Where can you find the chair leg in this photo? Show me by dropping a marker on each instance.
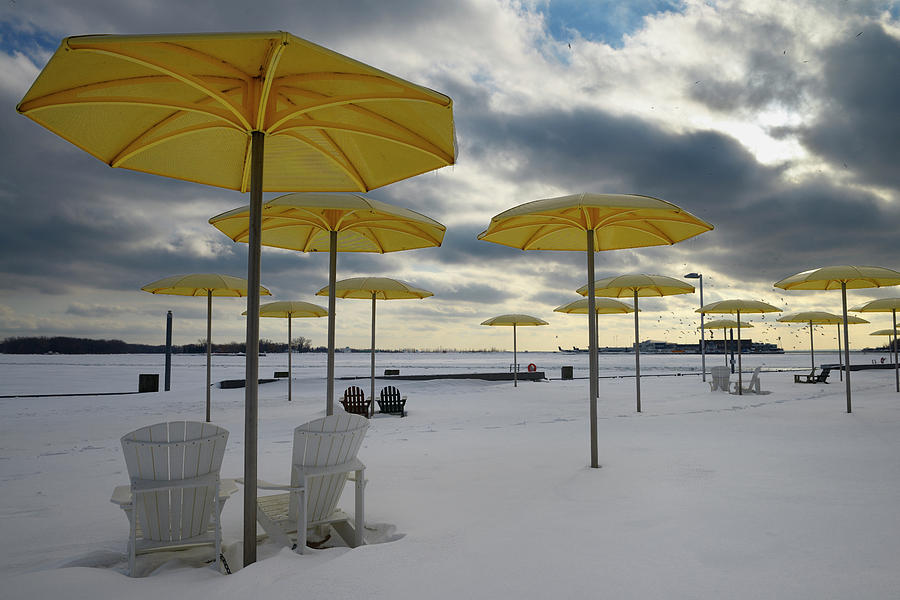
(359, 512)
(301, 520)
(218, 530)
(132, 546)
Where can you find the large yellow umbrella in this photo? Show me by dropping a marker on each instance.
(375, 288)
(591, 223)
(841, 277)
(816, 317)
(885, 305)
(334, 223)
(290, 309)
(514, 320)
(215, 108)
(632, 286)
(209, 285)
(737, 306)
(724, 324)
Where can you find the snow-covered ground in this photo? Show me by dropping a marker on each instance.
(487, 486)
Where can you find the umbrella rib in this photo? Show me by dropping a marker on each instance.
(136, 146)
(275, 53)
(419, 143)
(347, 167)
(193, 82)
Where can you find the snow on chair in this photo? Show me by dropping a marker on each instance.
(175, 497)
(323, 458)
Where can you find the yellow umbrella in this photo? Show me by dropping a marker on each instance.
(209, 285)
(375, 288)
(290, 309)
(724, 324)
(816, 317)
(514, 320)
(885, 305)
(841, 277)
(334, 223)
(589, 223)
(216, 107)
(737, 306)
(633, 286)
(602, 306)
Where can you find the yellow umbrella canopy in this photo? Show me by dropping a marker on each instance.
(290, 309)
(816, 317)
(884, 332)
(602, 306)
(514, 320)
(375, 288)
(215, 108)
(593, 222)
(841, 277)
(634, 285)
(310, 222)
(149, 102)
(737, 306)
(209, 285)
(885, 305)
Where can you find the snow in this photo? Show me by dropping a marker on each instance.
(484, 490)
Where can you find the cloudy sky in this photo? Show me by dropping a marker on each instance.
(777, 121)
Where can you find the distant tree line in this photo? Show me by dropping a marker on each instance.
(70, 345)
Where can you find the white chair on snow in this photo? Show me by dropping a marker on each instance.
(175, 496)
(720, 377)
(753, 387)
(324, 457)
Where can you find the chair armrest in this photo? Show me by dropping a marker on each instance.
(352, 465)
(262, 484)
(121, 495)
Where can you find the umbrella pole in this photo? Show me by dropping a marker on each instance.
(592, 345)
(637, 354)
(896, 371)
(725, 345)
(332, 276)
(251, 390)
(846, 341)
(740, 381)
(290, 351)
(372, 374)
(208, 348)
(515, 363)
(812, 352)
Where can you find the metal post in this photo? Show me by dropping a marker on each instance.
(731, 333)
(515, 360)
(846, 341)
(840, 359)
(592, 356)
(168, 375)
(372, 373)
(208, 350)
(637, 354)
(290, 352)
(739, 349)
(896, 368)
(251, 389)
(332, 276)
(702, 333)
(812, 352)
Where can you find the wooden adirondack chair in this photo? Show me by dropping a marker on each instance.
(355, 402)
(391, 402)
(324, 457)
(753, 387)
(175, 497)
(720, 377)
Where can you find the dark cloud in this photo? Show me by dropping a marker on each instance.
(858, 130)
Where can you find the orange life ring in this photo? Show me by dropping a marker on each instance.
(532, 368)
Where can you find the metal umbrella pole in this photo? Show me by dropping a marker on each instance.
(846, 341)
(637, 354)
(592, 356)
(209, 349)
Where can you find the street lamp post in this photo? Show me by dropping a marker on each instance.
(702, 329)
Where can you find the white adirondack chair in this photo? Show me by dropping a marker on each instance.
(175, 496)
(720, 377)
(324, 456)
(753, 387)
